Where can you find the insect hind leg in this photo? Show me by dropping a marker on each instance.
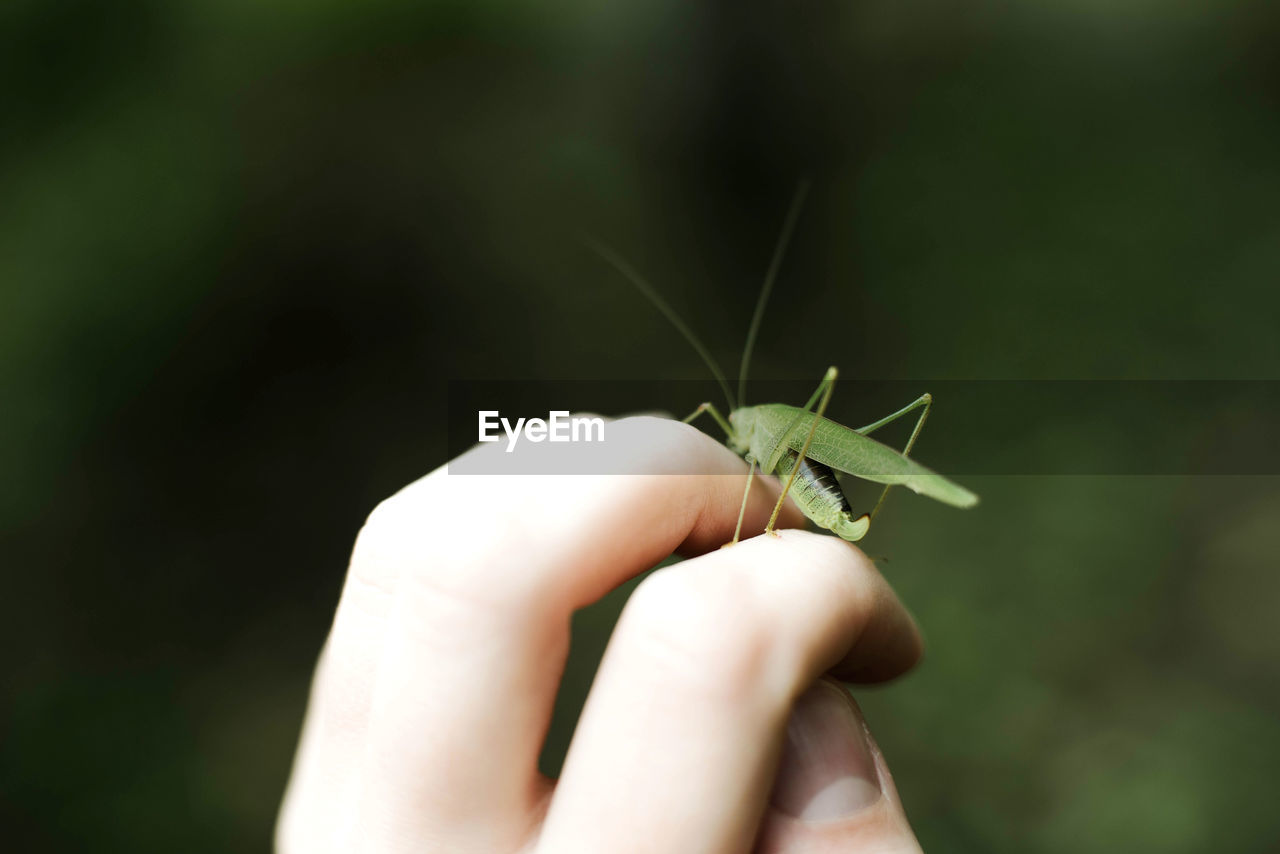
(925, 402)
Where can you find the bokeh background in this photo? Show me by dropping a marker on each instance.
(244, 246)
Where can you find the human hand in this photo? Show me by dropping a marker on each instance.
(708, 728)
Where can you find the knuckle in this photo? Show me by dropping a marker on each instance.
(395, 524)
(704, 630)
(404, 547)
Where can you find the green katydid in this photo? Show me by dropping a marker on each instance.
(798, 443)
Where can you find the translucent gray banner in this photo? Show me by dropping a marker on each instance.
(975, 427)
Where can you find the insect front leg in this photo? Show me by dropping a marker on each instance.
(924, 401)
(751, 473)
(742, 511)
(715, 413)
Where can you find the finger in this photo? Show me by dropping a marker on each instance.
(489, 570)
(833, 791)
(316, 814)
(677, 746)
(325, 779)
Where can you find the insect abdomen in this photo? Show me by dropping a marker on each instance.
(815, 482)
(819, 496)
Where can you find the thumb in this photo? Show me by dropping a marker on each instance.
(833, 791)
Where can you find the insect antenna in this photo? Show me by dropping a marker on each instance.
(788, 226)
(631, 275)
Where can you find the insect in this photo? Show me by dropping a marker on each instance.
(798, 443)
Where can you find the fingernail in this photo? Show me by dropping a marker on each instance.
(827, 771)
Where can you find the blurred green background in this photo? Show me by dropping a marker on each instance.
(245, 245)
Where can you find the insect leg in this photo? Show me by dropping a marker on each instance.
(737, 532)
(926, 401)
(824, 389)
(715, 413)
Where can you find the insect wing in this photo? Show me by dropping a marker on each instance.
(861, 456)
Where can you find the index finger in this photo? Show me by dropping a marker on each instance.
(454, 620)
(577, 536)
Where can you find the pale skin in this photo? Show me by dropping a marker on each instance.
(713, 725)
